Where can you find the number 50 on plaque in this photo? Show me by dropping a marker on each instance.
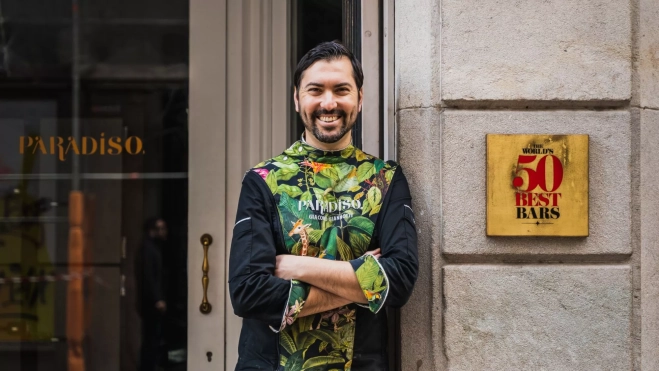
(537, 185)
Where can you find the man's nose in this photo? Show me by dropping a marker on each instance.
(328, 102)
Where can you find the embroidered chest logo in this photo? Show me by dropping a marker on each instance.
(330, 207)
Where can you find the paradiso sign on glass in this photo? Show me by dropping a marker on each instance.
(63, 147)
(537, 185)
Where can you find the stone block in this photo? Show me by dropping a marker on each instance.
(648, 65)
(417, 53)
(649, 240)
(417, 154)
(536, 50)
(463, 161)
(550, 317)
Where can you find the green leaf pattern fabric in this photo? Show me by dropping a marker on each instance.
(296, 299)
(373, 282)
(328, 204)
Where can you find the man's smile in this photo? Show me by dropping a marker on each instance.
(328, 118)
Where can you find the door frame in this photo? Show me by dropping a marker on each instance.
(240, 109)
(206, 180)
(239, 115)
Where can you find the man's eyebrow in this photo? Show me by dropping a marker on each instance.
(339, 85)
(343, 84)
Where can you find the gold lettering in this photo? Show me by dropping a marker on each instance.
(114, 143)
(39, 144)
(138, 145)
(102, 143)
(22, 145)
(72, 144)
(87, 145)
(60, 142)
(84, 146)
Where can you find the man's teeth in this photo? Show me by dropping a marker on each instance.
(328, 118)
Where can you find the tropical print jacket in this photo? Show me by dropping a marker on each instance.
(330, 205)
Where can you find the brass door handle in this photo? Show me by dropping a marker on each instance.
(206, 241)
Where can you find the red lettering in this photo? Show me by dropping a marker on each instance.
(556, 196)
(521, 199)
(538, 176)
(536, 199)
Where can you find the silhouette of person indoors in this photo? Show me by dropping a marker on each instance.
(150, 278)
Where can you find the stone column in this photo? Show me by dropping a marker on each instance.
(465, 68)
(646, 101)
(418, 113)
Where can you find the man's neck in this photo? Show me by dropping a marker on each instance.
(336, 146)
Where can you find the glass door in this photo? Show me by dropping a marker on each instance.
(93, 185)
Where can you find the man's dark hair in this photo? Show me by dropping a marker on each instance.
(150, 224)
(328, 51)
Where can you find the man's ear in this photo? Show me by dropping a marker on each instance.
(295, 99)
(361, 98)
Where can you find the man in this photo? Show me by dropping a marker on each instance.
(324, 236)
(151, 291)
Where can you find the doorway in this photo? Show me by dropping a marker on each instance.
(93, 138)
(264, 41)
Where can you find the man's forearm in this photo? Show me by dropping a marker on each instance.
(320, 300)
(336, 277)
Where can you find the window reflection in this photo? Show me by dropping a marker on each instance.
(72, 205)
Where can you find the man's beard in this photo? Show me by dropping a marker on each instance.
(346, 125)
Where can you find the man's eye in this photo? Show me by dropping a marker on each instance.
(313, 90)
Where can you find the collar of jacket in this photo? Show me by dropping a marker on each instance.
(302, 149)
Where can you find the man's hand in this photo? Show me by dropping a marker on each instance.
(161, 306)
(376, 253)
(287, 266)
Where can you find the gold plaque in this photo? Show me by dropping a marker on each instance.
(537, 185)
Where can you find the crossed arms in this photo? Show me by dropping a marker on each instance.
(333, 283)
(260, 274)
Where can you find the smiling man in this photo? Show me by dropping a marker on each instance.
(324, 238)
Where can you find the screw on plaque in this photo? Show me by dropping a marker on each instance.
(209, 355)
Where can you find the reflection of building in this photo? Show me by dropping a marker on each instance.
(104, 71)
(447, 73)
(27, 306)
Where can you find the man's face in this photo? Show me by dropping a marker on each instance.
(161, 230)
(328, 100)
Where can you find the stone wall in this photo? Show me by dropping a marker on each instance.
(465, 68)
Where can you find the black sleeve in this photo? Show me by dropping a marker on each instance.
(254, 290)
(398, 241)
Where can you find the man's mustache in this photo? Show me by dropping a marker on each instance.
(334, 112)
